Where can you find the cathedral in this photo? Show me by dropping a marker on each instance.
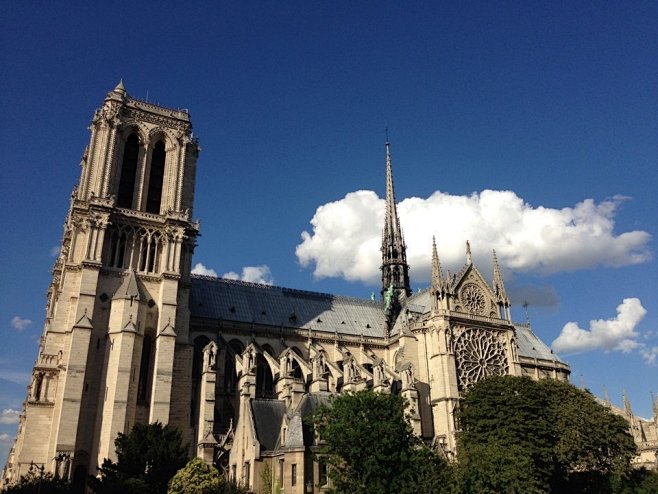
(132, 336)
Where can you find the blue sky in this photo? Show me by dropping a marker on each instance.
(528, 127)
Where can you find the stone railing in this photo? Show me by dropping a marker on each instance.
(49, 360)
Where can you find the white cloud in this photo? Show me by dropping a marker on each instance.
(20, 323)
(9, 416)
(54, 251)
(199, 268)
(6, 438)
(252, 274)
(346, 234)
(609, 334)
(649, 354)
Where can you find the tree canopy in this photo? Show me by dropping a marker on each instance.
(40, 483)
(147, 458)
(370, 447)
(520, 435)
(196, 477)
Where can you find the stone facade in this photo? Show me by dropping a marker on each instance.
(117, 311)
(131, 336)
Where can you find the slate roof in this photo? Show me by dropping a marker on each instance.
(308, 404)
(232, 300)
(268, 415)
(531, 346)
(240, 301)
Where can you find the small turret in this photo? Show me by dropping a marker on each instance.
(437, 274)
(627, 406)
(498, 284)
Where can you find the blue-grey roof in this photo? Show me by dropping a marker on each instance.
(268, 415)
(231, 300)
(531, 346)
(306, 407)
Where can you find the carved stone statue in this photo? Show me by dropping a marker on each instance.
(210, 357)
(319, 363)
(408, 380)
(378, 374)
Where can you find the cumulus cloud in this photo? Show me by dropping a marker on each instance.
(20, 323)
(199, 268)
(252, 274)
(346, 234)
(9, 416)
(617, 334)
(5, 438)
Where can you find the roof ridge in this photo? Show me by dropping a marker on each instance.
(219, 279)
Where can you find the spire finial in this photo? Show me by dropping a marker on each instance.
(469, 257)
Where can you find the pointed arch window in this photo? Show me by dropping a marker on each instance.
(264, 380)
(156, 177)
(128, 172)
(145, 370)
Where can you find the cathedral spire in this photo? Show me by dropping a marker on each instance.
(437, 274)
(395, 270)
(469, 256)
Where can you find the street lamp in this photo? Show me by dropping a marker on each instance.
(32, 469)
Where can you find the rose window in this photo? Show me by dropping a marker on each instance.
(473, 298)
(479, 354)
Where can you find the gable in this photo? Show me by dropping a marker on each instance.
(473, 294)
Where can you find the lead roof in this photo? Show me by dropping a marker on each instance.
(239, 301)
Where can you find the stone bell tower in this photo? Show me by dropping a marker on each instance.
(115, 344)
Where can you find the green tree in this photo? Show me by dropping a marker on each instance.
(506, 440)
(591, 443)
(196, 477)
(520, 435)
(370, 447)
(640, 481)
(147, 458)
(36, 483)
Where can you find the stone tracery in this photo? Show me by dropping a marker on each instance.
(479, 354)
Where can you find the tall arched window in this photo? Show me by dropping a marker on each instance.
(145, 370)
(230, 374)
(156, 177)
(264, 381)
(128, 172)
